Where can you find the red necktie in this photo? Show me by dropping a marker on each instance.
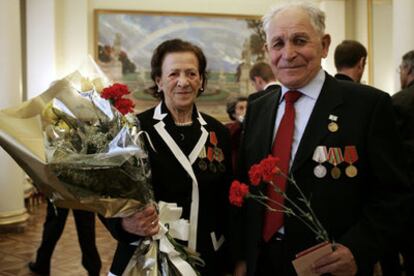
(282, 147)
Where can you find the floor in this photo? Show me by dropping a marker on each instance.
(17, 249)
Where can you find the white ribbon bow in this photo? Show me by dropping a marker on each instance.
(170, 222)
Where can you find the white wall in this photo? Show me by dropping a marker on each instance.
(71, 35)
(382, 57)
(41, 46)
(335, 26)
(11, 176)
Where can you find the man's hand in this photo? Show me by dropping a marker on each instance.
(339, 262)
(143, 223)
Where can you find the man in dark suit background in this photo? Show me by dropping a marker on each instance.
(350, 57)
(403, 102)
(263, 80)
(363, 209)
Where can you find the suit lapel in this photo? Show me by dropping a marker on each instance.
(267, 117)
(317, 127)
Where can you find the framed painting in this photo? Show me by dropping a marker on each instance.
(125, 40)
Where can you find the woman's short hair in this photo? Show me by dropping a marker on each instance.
(175, 46)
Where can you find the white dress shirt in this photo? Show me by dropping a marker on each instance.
(303, 108)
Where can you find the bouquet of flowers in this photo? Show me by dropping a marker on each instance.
(83, 148)
(265, 171)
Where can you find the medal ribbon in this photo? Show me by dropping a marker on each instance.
(335, 156)
(351, 154)
(213, 138)
(320, 155)
(210, 154)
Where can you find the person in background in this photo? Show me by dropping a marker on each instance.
(190, 160)
(403, 102)
(236, 109)
(337, 139)
(350, 58)
(263, 80)
(52, 231)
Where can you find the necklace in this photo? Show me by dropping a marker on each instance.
(184, 124)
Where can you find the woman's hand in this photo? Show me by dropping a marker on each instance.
(143, 223)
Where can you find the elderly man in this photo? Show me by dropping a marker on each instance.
(337, 139)
(350, 57)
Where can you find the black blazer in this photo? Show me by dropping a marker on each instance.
(403, 103)
(171, 183)
(363, 213)
(260, 93)
(340, 76)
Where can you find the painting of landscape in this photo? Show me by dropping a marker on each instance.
(232, 44)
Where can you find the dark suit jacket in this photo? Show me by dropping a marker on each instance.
(258, 94)
(340, 76)
(403, 103)
(172, 183)
(363, 213)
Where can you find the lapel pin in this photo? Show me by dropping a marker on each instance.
(333, 126)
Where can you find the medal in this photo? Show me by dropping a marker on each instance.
(333, 127)
(202, 165)
(320, 155)
(212, 167)
(319, 171)
(350, 156)
(335, 173)
(351, 171)
(210, 154)
(218, 154)
(335, 158)
(202, 153)
(213, 138)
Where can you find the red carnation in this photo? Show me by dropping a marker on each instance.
(238, 191)
(255, 174)
(115, 91)
(269, 167)
(124, 106)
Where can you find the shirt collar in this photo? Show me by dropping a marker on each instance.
(269, 84)
(161, 111)
(312, 89)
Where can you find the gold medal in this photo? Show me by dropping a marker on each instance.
(351, 171)
(333, 127)
(202, 165)
(335, 173)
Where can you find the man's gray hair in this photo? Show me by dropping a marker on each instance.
(316, 15)
(408, 61)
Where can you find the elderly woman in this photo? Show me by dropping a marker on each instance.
(190, 159)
